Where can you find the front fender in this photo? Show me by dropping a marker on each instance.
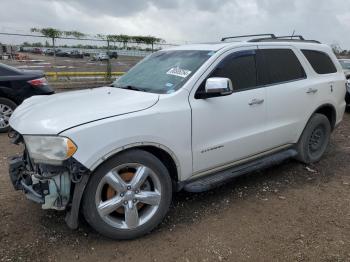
(170, 131)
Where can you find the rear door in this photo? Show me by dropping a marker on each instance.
(287, 93)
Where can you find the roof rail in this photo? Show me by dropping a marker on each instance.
(291, 37)
(295, 38)
(272, 36)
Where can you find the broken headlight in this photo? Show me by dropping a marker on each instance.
(49, 149)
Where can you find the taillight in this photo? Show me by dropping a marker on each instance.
(38, 82)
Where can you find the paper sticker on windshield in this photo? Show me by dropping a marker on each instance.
(177, 71)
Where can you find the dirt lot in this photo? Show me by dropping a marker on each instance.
(286, 213)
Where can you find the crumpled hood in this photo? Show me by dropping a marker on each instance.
(49, 115)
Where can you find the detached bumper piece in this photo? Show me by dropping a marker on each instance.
(21, 180)
(16, 166)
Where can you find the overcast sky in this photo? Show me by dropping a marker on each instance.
(182, 21)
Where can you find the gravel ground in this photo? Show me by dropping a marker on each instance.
(290, 212)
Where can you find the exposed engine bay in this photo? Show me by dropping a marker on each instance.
(48, 185)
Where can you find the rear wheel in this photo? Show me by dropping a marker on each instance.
(6, 109)
(128, 195)
(314, 139)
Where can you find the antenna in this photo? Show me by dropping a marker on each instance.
(292, 34)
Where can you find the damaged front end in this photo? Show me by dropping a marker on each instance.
(53, 186)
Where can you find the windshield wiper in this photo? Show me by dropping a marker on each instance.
(133, 88)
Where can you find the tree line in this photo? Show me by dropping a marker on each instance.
(338, 51)
(82, 46)
(55, 34)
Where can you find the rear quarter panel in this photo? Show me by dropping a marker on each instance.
(331, 87)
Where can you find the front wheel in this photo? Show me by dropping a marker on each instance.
(314, 139)
(128, 195)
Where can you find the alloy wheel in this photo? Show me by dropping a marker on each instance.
(5, 114)
(128, 196)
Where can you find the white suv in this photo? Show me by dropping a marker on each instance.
(187, 118)
(100, 57)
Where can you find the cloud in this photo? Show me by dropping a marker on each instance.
(183, 21)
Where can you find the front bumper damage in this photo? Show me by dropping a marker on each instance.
(54, 187)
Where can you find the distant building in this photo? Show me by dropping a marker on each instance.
(7, 50)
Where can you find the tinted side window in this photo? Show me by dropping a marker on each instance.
(279, 65)
(240, 67)
(320, 62)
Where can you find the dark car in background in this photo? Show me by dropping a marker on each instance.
(76, 54)
(112, 54)
(17, 85)
(37, 50)
(345, 63)
(51, 52)
(63, 53)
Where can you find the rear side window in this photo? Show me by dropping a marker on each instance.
(240, 67)
(320, 62)
(278, 66)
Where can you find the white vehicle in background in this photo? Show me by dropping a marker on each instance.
(187, 118)
(100, 57)
(345, 63)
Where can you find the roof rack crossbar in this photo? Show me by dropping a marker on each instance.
(272, 36)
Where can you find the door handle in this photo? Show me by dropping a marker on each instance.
(311, 91)
(256, 101)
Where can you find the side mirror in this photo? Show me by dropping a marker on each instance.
(216, 86)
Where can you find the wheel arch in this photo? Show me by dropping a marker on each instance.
(163, 153)
(325, 109)
(329, 111)
(6, 92)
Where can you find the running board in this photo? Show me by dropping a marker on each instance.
(220, 178)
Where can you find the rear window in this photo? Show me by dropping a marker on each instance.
(279, 65)
(320, 62)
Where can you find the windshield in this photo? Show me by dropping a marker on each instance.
(345, 64)
(163, 72)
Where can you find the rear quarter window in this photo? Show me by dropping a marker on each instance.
(278, 66)
(320, 62)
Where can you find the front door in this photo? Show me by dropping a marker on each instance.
(232, 127)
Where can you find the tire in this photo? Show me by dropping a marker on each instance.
(6, 109)
(314, 139)
(111, 220)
